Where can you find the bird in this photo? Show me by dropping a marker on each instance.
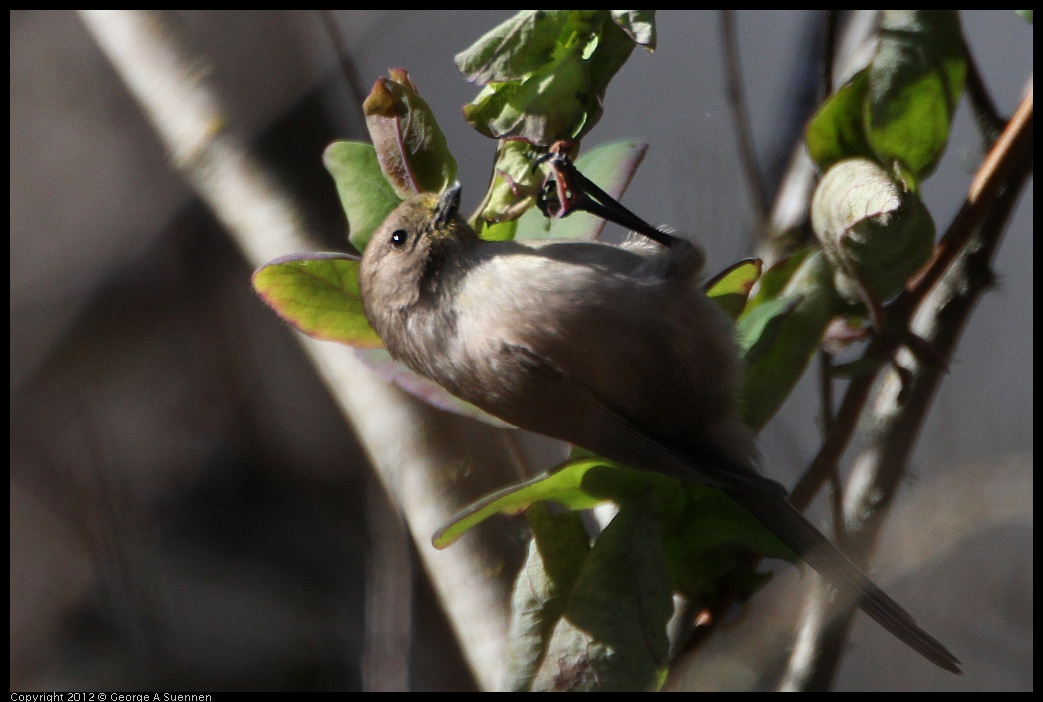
(614, 348)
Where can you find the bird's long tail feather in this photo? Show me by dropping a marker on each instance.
(811, 545)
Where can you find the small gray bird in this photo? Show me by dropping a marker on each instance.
(615, 349)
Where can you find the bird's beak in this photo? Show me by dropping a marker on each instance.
(448, 204)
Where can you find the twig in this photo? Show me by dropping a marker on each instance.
(825, 379)
(347, 66)
(827, 461)
(892, 425)
(829, 49)
(991, 176)
(740, 113)
(985, 113)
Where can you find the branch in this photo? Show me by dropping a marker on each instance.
(430, 462)
(740, 113)
(999, 165)
(990, 124)
(347, 66)
(892, 425)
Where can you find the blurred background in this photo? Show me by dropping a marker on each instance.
(189, 508)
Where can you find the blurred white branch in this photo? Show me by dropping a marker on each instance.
(430, 462)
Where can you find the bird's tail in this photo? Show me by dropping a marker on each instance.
(811, 545)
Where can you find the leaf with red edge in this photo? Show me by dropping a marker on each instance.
(319, 294)
(410, 146)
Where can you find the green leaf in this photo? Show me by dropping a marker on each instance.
(500, 231)
(545, 72)
(556, 555)
(758, 330)
(564, 485)
(594, 618)
(730, 288)
(365, 195)
(711, 522)
(319, 295)
(781, 334)
(898, 110)
(773, 281)
(515, 48)
(837, 131)
(612, 633)
(410, 146)
(582, 482)
(915, 82)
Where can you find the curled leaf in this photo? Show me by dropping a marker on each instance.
(515, 48)
(409, 144)
(875, 233)
(516, 181)
(548, 105)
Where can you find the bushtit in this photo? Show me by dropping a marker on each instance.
(615, 349)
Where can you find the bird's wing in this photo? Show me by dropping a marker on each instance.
(609, 433)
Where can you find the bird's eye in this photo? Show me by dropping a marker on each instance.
(398, 237)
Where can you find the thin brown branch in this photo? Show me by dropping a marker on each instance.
(990, 123)
(831, 20)
(347, 66)
(825, 379)
(740, 115)
(827, 460)
(993, 174)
